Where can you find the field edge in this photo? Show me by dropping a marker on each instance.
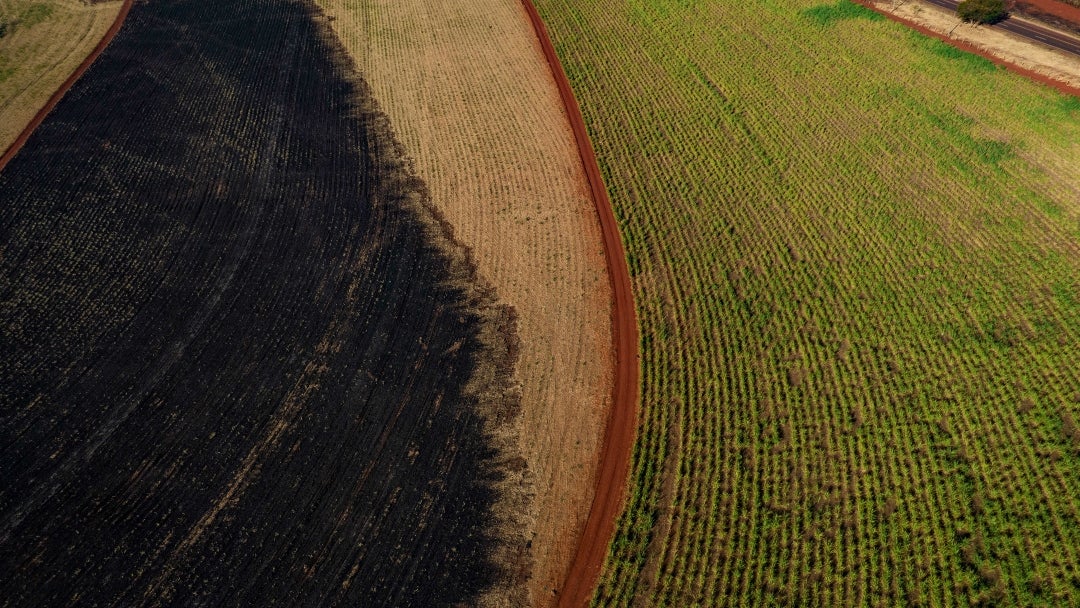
(36, 121)
(491, 387)
(619, 435)
(1030, 74)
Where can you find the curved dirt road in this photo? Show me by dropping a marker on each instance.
(16, 145)
(619, 437)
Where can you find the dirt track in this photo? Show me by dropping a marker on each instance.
(14, 148)
(619, 437)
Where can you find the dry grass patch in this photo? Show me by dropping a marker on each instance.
(43, 42)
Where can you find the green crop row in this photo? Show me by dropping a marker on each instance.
(855, 257)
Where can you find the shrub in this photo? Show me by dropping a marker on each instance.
(982, 11)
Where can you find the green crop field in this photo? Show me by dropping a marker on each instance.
(856, 256)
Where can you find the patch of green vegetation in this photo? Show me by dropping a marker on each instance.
(970, 61)
(1048, 207)
(957, 130)
(27, 17)
(35, 14)
(1065, 294)
(1069, 103)
(843, 240)
(828, 14)
(1052, 110)
(991, 151)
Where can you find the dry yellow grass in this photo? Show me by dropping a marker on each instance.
(44, 41)
(473, 101)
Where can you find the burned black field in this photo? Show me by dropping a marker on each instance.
(241, 363)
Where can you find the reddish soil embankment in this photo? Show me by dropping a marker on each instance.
(964, 46)
(1055, 13)
(619, 436)
(14, 148)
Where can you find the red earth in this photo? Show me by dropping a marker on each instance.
(1051, 7)
(614, 468)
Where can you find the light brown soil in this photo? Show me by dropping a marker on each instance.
(1043, 63)
(37, 58)
(473, 100)
(611, 480)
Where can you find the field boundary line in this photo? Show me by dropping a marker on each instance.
(1053, 83)
(35, 122)
(619, 435)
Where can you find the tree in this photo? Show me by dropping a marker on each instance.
(982, 11)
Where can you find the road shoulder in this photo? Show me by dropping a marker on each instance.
(1054, 67)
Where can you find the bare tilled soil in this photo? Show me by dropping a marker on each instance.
(611, 479)
(244, 363)
(478, 111)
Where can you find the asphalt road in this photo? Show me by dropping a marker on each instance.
(1027, 30)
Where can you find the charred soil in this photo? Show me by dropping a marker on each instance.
(245, 362)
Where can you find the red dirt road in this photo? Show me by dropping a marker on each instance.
(615, 452)
(14, 148)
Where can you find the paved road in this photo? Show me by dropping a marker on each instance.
(1024, 29)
